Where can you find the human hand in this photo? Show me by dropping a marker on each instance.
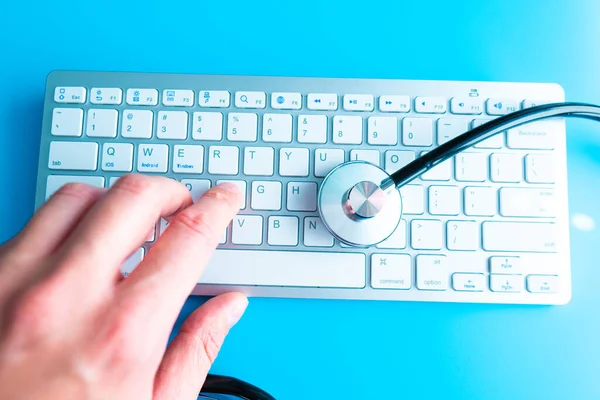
(71, 327)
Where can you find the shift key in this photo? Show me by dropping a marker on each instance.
(519, 236)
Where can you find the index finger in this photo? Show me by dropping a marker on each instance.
(176, 261)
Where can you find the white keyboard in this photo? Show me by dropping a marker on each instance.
(489, 226)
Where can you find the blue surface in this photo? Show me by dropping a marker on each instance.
(307, 349)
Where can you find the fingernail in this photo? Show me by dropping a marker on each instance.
(230, 187)
(236, 311)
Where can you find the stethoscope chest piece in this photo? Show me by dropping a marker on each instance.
(356, 205)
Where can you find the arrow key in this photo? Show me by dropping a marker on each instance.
(542, 283)
(462, 282)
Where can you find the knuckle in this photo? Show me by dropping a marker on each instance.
(32, 313)
(197, 223)
(77, 190)
(136, 184)
(205, 344)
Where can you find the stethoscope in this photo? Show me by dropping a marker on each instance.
(360, 203)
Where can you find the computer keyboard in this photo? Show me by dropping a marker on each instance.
(488, 226)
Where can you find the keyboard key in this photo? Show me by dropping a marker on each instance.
(517, 236)
(117, 157)
(396, 159)
(322, 101)
(316, 234)
(397, 240)
(178, 97)
(480, 201)
(70, 94)
(250, 99)
(506, 167)
(506, 283)
(113, 180)
(132, 262)
(207, 126)
(302, 196)
(358, 102)
(101, 123)
(430, 105)
(391, 103)
(426, 234)
(286, 101)
(413, 199)
(286, 268)
(505, 265)
(441, 172)
(137, 124)
(153, 158)
(444, 200)
(493, 142)
(527, 202)
(172, 125)
(77, 156)
(242, 127)
(471, 167)
(371, 156)
(543, 283)
(247, 229)
(432, 273)
(223, 160)
(283, 231)
(213, 98)
(502, 106)
(449, 128)
(197, 187)
(347, 130)
(462, 282)
(106, 96)
(259, 160)
(67, 121)
(382, 131)
(417, 132)
(277, 128)
(188, 159)
(466, 105)
(312, 129)
(540, 168)
(534, 103)
(55, 182)
(391, 271)
(326, 160)
(462, 235)
(266, 195)
(142, 97)
(293, 162)
(537, 135)
(241, 186)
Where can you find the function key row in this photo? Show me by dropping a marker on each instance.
(294, 101)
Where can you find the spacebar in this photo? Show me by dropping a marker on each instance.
(286, 268)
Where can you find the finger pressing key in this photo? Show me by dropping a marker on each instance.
(177, 260)
(117, 225)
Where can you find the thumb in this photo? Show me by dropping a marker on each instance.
(191, 354)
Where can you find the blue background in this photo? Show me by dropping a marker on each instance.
(301, 349)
